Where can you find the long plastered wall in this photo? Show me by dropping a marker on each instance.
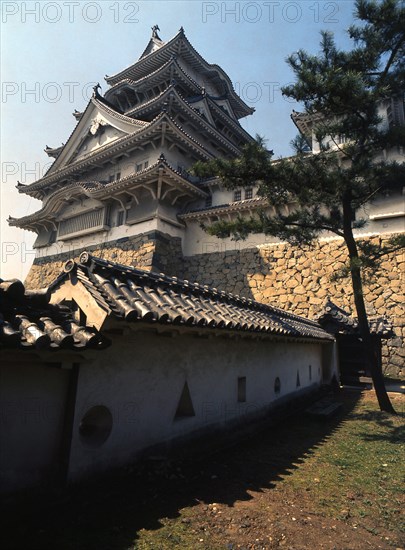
(142, 390)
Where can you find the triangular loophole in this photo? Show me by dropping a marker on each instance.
(298, 379)
(185, 407)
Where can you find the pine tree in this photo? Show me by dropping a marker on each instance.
(341, 92)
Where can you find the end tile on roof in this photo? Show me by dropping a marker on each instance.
(29, 321)
(336, 320)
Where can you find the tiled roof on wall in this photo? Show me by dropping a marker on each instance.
(136, 295)
(28, 321)
(338, 321)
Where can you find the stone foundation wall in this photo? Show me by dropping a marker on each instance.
(152, 251)
(299, 280)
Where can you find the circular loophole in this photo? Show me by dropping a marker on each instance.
(95, 426)
(277, 385)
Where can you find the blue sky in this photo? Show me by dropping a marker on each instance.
(54, 52)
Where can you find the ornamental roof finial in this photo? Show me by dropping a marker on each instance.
(155, 28)
(96, 88)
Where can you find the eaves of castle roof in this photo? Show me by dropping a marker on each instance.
(39, 188)
(157, 76)
(97, 190)
(171, 94)
(180, 44)
(237, 206)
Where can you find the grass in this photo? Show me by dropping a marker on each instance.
(359, 469)
(300, 479)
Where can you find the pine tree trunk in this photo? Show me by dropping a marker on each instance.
(371, 361)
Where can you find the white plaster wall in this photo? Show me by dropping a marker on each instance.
(197, 241)
(32, 403)
(382, 226)
(221, 196)
(379, 214)
(392, 202)
(126, 166)
(97, 239)
(142, 383)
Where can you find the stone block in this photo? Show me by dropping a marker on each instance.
(291, 284)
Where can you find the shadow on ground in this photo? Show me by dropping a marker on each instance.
(108, 513)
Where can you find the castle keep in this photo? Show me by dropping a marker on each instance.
(121, 180)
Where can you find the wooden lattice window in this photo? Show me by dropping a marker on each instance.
(83, 223)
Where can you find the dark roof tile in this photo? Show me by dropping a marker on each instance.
(28, 321)
(338, 321)
(137, 295)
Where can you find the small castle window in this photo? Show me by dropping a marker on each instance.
(208, 201)
(277, 385)
(141, 165)
(242, 389)
(95, 426)
(249, 193)
(121, 217)
(114, 177)
(396, 112)
(185, 407)
(237, 196)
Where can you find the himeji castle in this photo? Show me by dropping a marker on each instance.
(122, 189)
(124, 170)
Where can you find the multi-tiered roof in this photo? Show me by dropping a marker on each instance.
(135, 144)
